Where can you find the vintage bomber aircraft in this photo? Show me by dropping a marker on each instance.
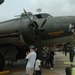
(39, 29)
(1, 1)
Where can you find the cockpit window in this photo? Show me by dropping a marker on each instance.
(46, 15)
(37, 16)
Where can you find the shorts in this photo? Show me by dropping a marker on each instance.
(29, 71)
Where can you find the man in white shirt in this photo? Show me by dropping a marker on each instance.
(31, 61)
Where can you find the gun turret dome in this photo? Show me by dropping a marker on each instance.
(42, 15)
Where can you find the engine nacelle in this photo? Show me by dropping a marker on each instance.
(18, 32)
(27, 32)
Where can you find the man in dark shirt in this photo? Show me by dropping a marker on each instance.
(51, 58)
(71, 54)
(44, 56)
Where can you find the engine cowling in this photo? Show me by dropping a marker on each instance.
(27, 32)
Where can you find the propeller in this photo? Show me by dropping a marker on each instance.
(29, 17)
(35, 27)
(43, 23)
(37, 32)
(33, 22)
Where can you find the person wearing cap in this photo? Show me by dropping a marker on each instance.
(31, 57)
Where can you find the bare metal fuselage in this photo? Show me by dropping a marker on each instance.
(19, 32)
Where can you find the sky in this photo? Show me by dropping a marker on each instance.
(11, 8)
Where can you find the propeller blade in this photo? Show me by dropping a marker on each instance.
(43, 23)
(28, 17)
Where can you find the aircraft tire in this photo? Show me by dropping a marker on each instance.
(2, 62)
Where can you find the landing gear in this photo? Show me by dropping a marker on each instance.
(2, 62)
(38, 45)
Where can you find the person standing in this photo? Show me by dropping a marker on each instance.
(71, 54)
(48, 60)
(38, 67)
(52, 59)
(31, 57)
(44, 56)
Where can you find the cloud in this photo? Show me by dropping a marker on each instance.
(54, 7)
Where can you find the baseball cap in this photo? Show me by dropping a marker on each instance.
(32, 47)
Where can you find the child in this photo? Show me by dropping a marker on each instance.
(37, 67)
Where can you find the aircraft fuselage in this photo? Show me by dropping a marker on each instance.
(19, 32)
(57, 30)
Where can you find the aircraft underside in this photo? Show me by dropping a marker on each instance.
(58, 41)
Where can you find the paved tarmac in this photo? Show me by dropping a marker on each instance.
(59, 69)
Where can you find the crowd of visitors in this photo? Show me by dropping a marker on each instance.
(48, 57)
(33, 63)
